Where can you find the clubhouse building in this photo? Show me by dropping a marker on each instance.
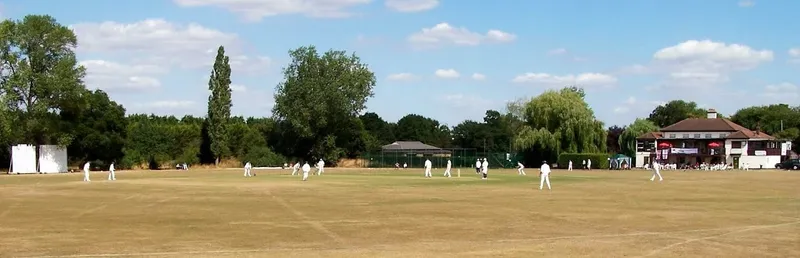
(710, 140)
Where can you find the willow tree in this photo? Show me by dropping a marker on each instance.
(559, 122)
(627, 140)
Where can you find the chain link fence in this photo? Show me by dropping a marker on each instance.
(460, 158)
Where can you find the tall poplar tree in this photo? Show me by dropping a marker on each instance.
(219, 105)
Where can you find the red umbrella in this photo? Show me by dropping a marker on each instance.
(664, 145)
(713, 145)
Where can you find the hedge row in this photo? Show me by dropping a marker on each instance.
(599, 160)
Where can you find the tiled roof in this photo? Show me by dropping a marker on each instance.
(747, 134)
(704, 125)
(650, 136)
(404, 146)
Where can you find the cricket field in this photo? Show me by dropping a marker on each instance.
(399, 213)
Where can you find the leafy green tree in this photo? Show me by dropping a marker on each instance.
(99, 128)
(612, 140)
(219, 105)
(39, 77)
(675, 111)
(415, 127)
(320, 100)
(779, 120)
(556, 122)
(627, 140)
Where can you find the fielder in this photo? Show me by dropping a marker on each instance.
(428, 166)
(521, 169)
(447, 170)
(320, 167)
(247, 167)
(295, 168)
(86, 172)
(111, 175)
(656, 172)
(485, 168)
(306, 169)
(478, 167)
(544, 174)
(589, 164)
(569, 167)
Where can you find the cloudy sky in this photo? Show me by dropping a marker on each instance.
(446, 59)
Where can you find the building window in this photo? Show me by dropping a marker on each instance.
(756, 145)
(708, 136)
(697, 136)
(686, 136)
(772, 145)
(723, 135)
(736, 144)
(672, 136)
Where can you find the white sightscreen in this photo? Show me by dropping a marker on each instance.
(23, 159)
(52, 159)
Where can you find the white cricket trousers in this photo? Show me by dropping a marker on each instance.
(247, 172)
(545, 179)
(86, 176)
(656, 173)
(320, 170)
(294, 171)
(447, 172)
(428, 172)
(521, 171)
(111, 175)
(305, 176)
(569, 168)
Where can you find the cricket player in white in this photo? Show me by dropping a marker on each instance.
(306, 169)
(111, 175)
(86, 172)
(521, 169)
(544, 174)
(485, 168)
(589, 164)
(320, 167)
(295, 168)
(569, 167)
(447, 170)
(656, 172)
(428, 166)
(247, 167)
(478, 166)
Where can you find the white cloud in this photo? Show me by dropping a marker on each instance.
(478, 77)
(701, 63)
(557, 51)
(447, 73)
(238, 88)
(584, 79)
(746, 3)
(255, 10)
(160, 42)
(631, 100)
(169, 104)
(782, 91)
(111, 76)
(401, 77)
(412, 5)
(794, 55)
(621, 110)
(445, 34)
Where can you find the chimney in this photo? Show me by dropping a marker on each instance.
(712, 114)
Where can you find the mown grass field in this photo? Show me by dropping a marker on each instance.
(395, 213)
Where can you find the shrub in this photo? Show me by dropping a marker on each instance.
(599, 160)
(263, 157)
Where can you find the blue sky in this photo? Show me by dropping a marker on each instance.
(449, 60)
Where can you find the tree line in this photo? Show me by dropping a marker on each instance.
(319, 112)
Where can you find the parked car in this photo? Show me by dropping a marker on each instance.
(793, 164)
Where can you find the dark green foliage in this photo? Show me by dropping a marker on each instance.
(675, 111)
(219, 106)
(599, 160)
(414, 127)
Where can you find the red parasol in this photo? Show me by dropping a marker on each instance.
(713, 145)
(664, 145)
